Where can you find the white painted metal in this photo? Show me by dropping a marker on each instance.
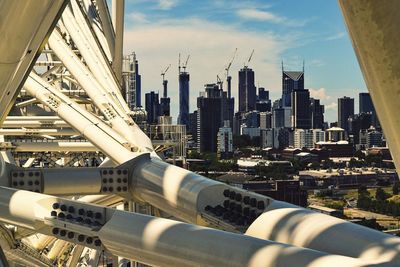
(25, 25)
(300, 227)
(33, 132)
(53, 146)
(163, 242)
(120, 122)
(107, 24)
(372, 26)
(95, 134)
(118, 7)
(100, 67)
(93, 20)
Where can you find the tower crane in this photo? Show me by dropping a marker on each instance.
(230, 63)
(165, 82)
(164, 72)
(185, 64)
(248, 61)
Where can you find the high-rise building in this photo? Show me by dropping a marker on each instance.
(318, 136)
(301, 109)
(263, 103)
(263, 95)
(265, 120)
(357, 123)
(303, 139)
(183, 117)
(247, 90)
(132, 81)
(366, 106)
(152, 106)
(210, 117)
(317, 114)
(345, 111)
(291, 81)
(365, 102)
(225, 141)
(165, 101)
(374, 138)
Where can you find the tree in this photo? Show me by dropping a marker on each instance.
(380, 194)
(396, 188)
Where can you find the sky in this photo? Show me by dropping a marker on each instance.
(210, 30)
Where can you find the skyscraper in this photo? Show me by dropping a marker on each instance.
(165, 101)
(366, 103)
(345, 110)
(317, 114)
(366, 106)
(263, 95)
(152, 106)
(183, 117)
(291, 81)
(301, 109)
(210, 117)
(132, 81)
(247, 90)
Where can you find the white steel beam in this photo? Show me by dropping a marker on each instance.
(23, 27)
(106, 23)
(118, 8)
(154, 241)
(96, 132)
(119, 120)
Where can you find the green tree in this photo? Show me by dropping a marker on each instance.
(396, 188)
(380, 194)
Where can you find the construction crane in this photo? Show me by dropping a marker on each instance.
(164, 72)
(185, 64)
(219, 82)
(248, 61)
(230, 63)
(179, 63)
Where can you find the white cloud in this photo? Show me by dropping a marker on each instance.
(256, 14)
(137, 17)
(336, 36)
(167, 4)
(331, 106)
(211, 46)
(319, 94)
(262, 15)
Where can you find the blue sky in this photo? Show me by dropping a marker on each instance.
(290, 30)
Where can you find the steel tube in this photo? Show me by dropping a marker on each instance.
(157, 241)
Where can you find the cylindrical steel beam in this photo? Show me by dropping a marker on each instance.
(154, 241)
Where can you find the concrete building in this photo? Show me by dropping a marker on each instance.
(335, 134)
(267, 137)
(250, 131)
(303, 139)
(265, 120)
(132, 81)
(374, 138)
(225, 141)
(318, 136)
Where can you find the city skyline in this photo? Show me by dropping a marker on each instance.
(210, 32)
